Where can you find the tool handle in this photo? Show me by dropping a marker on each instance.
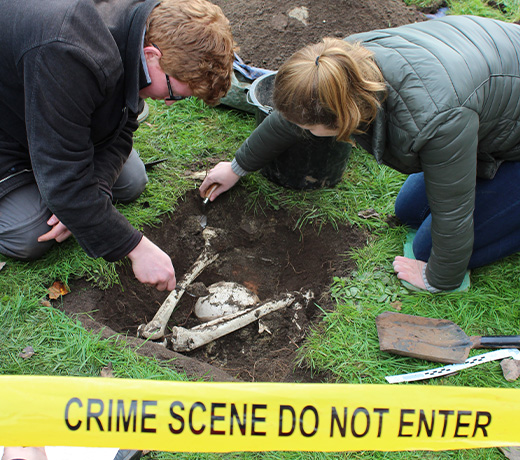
(209, 191)
(496, 341)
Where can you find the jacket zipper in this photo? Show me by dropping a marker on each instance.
(15, 174)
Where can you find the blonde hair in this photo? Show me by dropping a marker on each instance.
(196, 44)
(333, 83)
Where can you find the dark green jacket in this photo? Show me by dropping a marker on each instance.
(451, 111)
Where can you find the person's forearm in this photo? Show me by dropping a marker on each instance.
(270, 139)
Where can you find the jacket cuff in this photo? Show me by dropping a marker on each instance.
(125, 249)
(237, 169)
(429, 287)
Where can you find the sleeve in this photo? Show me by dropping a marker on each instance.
(449, 162)
(109, 161)
(63, 86)
(271, 138)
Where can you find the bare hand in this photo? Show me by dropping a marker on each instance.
(58, 232)
(410, 270)
(223, 175)
(152, 266)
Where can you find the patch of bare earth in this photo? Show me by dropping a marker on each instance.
(262, 251)
(270, 31)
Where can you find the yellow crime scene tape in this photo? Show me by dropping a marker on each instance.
(231, 417)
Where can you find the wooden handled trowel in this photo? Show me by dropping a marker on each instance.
(203, 219)
(433, 339)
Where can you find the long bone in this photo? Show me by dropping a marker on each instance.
(156, 328)
(190, 339)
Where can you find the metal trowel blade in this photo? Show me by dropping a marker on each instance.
(203, 221)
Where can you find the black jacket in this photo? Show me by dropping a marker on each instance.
(69, 91)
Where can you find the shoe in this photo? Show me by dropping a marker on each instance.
(143, 112)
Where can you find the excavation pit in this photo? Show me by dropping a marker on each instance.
(263, 251)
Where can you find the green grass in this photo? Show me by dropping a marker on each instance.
(508, 10)
(503, 9)
(192, 136)
(62, 346)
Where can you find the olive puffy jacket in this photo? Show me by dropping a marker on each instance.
(451, 110)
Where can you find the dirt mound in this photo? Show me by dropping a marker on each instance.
(269, 31)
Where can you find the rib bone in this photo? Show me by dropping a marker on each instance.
(190, 339)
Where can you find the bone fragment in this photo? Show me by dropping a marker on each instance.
(190, 339)
(155, 329)
(224, 298)
(196, 175)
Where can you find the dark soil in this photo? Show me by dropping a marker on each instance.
(262, 250)
(267, 32)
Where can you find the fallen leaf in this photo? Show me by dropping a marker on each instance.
(57, 289)
(510, 369)
(45, 303)
(369, 213)
(107, 371)
(397, 305)
(27, 352)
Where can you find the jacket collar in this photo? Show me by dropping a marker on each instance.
(133, 64)
(373, 139)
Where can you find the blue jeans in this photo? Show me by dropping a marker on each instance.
(496, 217)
